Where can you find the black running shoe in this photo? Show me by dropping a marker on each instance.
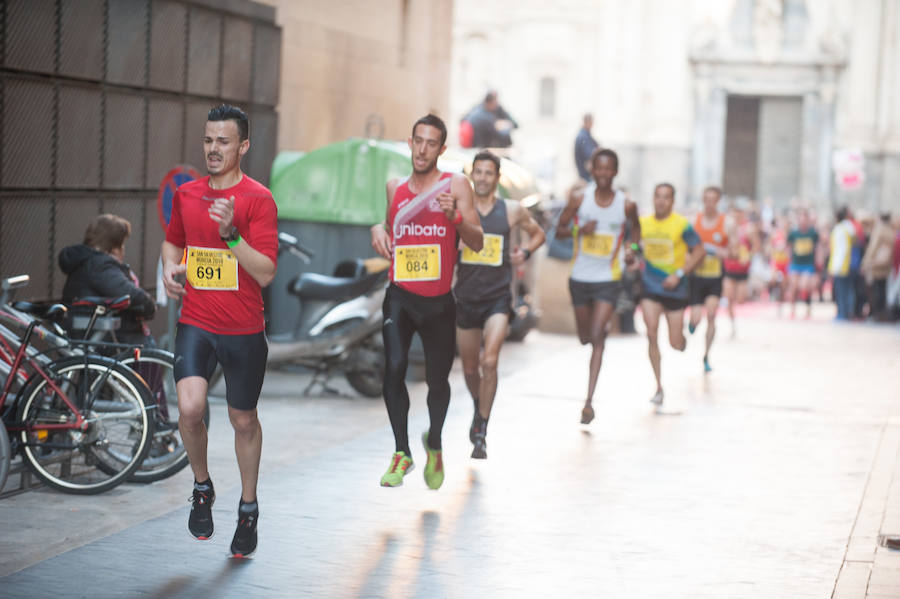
(479, 452)
(477, 423)
(244, 542)
(200, 521)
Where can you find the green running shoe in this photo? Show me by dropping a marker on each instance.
(434, 467)
(400, 465)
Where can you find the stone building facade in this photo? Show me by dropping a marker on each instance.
(755, 95)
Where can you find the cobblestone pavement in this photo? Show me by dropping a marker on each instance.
(773, 476)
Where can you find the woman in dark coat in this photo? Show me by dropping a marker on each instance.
(97, 268)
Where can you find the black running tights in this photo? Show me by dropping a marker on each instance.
(434, 318)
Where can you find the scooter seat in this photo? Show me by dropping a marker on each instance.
(315, 286)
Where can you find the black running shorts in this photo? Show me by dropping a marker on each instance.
(584, 293)
(243, 360)
(704, 287)
(669, 304)
(473, 315)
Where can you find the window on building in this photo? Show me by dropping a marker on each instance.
(547, 100)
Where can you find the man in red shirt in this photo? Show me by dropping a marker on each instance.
(223, 238)
(427, 214)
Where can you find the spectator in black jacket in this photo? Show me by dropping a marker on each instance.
(491, 124)
(97, 268)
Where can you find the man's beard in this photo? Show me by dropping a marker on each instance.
(489, 191)
(427, 169)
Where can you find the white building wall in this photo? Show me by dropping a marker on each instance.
(629, 64)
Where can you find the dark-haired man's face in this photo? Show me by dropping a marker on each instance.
(603, 169)
(710, 200)
(663, 199)
(425, 145)
(222, 147)
(485, 178)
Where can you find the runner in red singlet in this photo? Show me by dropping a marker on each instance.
(225, 226)
(427, 214)
(737, 265)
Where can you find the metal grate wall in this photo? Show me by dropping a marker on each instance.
(100, 98)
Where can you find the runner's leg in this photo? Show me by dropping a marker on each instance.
(243, 360)
(651, 311)
(248, 448)
(792, 292)
(675, 321)
(712, 307)
(602, 312)
(468, 342)
(806, 280)
(191, 407)
(696, 315)
(439, 342)
(397, 332)
(584, 315)
(495, 330)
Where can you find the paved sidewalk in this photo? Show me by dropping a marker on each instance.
(771, 477)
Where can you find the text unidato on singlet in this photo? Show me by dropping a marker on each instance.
(421, 230)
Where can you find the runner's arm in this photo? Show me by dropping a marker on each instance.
(563, 229)
(470, 228)
(631, 213)
(526, 222)
(381, 239)
(171, 258)
(258, 265)
(263, 221)
(695, 257)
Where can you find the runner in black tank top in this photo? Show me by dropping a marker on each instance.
(483, 290)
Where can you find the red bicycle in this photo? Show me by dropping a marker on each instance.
(82, 423)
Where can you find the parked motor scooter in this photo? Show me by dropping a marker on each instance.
(338, 325)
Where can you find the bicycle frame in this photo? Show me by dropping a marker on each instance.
(17, 365)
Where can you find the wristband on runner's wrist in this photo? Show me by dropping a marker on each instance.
(527, 253)
(458, 218)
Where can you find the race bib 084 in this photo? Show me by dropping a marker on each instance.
(659, 251)
(490, 255)
(417, 262)
(212, 269)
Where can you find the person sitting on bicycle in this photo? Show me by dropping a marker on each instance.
(97, 268)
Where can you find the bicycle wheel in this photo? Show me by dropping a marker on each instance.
(167, 454)
(118, 409)
(5, 455)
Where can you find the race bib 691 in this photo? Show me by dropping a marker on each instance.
(213, 269)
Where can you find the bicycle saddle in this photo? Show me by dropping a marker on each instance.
(42, 311)
(110, 303)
